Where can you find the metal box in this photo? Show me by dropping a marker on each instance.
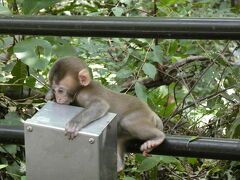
(51, 156)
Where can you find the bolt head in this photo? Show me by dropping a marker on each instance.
(29, 128)
(91, 140)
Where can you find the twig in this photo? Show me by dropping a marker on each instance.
(196, 82)
(115, 58)
(189, 90)
(42, 83)
(187, 60)
(221, 77)
(10, 155)
(199, 101)
(184, 99)
(167, 72)
(145, 58)
(175, 174)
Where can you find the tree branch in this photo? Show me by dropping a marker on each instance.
(165, 76)
(200, 100)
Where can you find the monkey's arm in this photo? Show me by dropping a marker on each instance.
(96, 109)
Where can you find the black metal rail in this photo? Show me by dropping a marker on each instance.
(225, 149)
(141, 27)
(10, 134)
(173, 28)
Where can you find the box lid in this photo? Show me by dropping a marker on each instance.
(55, 115)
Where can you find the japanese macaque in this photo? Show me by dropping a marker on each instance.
(71, 82)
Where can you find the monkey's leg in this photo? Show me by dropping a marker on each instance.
(150, 144)
(140, 127)
(120, 154)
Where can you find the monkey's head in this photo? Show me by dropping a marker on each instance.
(67, 77)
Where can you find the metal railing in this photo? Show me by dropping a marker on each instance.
(136, 27)
(226, 149)
(173, 28)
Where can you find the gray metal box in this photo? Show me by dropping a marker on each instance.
(51, 156)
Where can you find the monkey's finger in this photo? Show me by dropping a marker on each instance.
(67, 127)
(147, 146)
(72, 136)
(145, 154)
(65, 132)
(143, 147)
(76, 133)
(69, 136)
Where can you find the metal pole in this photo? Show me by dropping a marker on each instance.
(225, 149)
(135, 27)
(10, 134)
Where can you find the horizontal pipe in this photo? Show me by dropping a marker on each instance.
(135, 27)
(10, 134)
(209, 148)
(225, 149)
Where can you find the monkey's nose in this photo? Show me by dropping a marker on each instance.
(59, 101)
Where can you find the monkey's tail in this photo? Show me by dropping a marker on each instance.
(157, 121)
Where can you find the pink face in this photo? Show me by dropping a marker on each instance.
(62, 95)
(64, 90)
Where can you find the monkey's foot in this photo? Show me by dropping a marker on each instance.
(120, 167)
(149, 145)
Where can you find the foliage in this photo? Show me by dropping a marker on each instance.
(195, 82)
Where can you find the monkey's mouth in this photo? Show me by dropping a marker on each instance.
(63, 102)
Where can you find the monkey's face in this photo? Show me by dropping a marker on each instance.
(64, 91)
(63, 95)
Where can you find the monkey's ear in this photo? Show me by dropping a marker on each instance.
(84, 77)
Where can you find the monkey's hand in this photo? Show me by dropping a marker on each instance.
(72, 128)
(96, 109)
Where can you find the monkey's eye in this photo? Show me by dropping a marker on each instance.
(60, 90)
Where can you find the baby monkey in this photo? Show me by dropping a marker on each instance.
(71, 82)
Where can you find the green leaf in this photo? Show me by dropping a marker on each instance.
(149, 163)
(123, 73)
(234, 127)
(167, 159)
(12, 118)
(158, 54)
(170, 2)
(30, 82)
(34, 52)
(62, 48)
(23, 178)
(19, 73)
(141, 91)
(10, 148)
(117, 11)
(14, 171)
(127, 2)
(128, 178)
(193, 138)
(169, 109)
(139, 157)
(192, 160)
(33, 6)
(150, 70)
(3, 166)
(4, 10)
